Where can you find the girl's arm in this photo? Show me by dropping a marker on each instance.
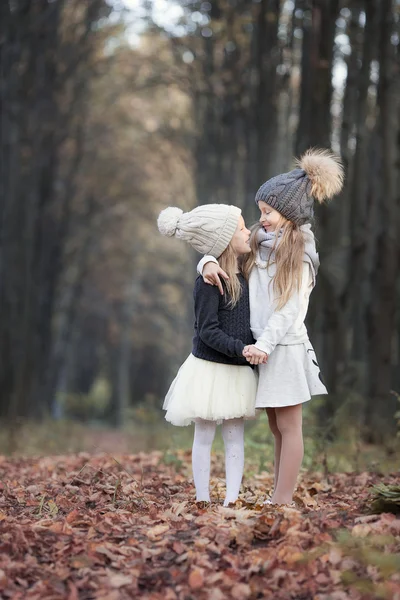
(206, 305)
(210, 270)
(282, 320)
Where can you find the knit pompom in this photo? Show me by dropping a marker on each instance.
(325, 171)
(168, 220)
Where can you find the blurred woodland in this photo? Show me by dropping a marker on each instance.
(109, 114)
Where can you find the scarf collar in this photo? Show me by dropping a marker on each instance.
(266, 241)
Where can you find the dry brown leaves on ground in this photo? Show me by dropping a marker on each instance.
(114, 528)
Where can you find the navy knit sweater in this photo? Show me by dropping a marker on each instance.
(221, 332)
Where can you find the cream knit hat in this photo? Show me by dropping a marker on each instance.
(208, 228)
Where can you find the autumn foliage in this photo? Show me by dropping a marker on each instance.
(113, 528)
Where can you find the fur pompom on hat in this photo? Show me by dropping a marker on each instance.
(208, 228)
(318, 176)
(168, 220)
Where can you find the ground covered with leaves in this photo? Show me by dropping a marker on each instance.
(119, 527)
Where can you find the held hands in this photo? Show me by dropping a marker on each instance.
(212, 273)
(254, 356)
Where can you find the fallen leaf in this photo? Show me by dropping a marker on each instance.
(3, 579)
(178, 547)
(118, 580)
(322, 579)
(81, 561)
(361, 530)
(240, 591)
(196, 579)
(157, 531)
(335, 556)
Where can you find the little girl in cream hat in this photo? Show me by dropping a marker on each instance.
(215, 384)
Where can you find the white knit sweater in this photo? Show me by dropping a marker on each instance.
(269, 326)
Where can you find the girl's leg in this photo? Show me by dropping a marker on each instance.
(277, 442)
(204, 432)
(289, 423)
(233, 436)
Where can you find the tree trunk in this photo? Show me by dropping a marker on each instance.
(382, 405)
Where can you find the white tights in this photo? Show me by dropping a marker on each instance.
(233, 436)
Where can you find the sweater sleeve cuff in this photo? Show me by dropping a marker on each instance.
(239, 348)
(206, 259)
(264, 347)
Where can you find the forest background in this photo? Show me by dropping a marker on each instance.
(111, 111)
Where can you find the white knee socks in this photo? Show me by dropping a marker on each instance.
(232, 433)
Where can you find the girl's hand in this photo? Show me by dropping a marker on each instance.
(212, 273)
(254, 356)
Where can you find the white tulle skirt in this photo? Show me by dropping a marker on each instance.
(213, 391)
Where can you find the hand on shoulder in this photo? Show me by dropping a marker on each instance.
(212, 274)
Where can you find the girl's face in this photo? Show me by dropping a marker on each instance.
(270, 217)
(241, 239)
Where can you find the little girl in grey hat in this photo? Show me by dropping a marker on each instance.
(216, 383)
(282, 270)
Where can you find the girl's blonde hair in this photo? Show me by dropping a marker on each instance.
(229, 262)
(287, 255)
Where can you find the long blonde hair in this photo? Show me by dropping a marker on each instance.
(325, 173)
(287, 255)
(230, 263)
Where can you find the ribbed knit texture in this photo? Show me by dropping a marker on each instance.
(221, 332)
(289, 194)
(208, 228)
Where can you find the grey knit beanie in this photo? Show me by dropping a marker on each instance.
(318, 176)
(208, 228)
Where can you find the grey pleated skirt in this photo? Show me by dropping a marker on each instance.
(291, 376)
